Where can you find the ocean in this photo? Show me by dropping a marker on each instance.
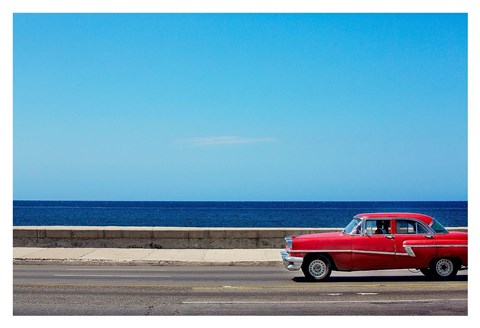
(315, 214)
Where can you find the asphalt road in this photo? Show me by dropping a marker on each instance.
(229, 290)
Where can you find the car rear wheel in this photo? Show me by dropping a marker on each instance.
(317, 268)
(444, 269)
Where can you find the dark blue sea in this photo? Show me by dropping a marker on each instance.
(221, 214)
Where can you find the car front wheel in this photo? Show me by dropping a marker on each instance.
(444, 269)
(317, 268)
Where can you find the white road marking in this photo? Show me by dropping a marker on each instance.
(108, 269)
(363, 294)
(109, 275)
(321, 302)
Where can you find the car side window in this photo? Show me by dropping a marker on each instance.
(370, 227)
(409, 227)
(421, 229)
(377, 227)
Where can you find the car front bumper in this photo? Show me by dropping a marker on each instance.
(291, 263)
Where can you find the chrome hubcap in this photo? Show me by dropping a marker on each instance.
(317, 268)
(444, 267)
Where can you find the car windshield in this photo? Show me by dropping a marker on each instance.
(351, 226)
(437, 227)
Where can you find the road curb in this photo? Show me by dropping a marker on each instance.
(19, 261)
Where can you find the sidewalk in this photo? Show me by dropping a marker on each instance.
(129, 256)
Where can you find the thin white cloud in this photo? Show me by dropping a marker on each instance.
(224, 140)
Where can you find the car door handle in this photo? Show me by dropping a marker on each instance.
(389, 236)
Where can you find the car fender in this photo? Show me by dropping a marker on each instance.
(453, 248)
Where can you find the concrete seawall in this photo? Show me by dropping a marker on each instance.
(160, 237)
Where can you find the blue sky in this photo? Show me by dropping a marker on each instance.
(240, 107)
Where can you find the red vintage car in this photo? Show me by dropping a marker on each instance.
(376, 241)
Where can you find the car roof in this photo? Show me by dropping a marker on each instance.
(425, 218)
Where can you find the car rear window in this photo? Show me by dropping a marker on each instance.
(438, 227)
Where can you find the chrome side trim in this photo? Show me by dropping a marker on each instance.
(429, 246)
(412, 253)
(345, 251)
(373, 252)
(408, 250)
(320, 250)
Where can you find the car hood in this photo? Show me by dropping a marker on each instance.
(320, 235)
(330, 240)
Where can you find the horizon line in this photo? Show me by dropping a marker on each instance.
(271, 201)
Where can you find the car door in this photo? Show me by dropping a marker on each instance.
(372, 248)
(415, 246)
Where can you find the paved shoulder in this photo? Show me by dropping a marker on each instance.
(26, 255)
